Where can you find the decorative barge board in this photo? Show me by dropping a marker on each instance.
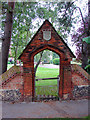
(47, 38)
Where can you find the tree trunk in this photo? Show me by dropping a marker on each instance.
(84, 54)
(7, 35)
(86, 46)
(35, 69)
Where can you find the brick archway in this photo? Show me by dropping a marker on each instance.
(62, 57)
(55, 44)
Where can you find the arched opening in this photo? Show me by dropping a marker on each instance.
(47, 72)
(61, 55)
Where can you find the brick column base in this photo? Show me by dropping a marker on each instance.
(67, 81)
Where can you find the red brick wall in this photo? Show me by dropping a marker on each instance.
(79, 76)
(25, 81)
(78, 80)
(38, 44)
(14, 83)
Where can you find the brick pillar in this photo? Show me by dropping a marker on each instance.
(27, 87)
(28, 84)
(61, 80)
(67, 80)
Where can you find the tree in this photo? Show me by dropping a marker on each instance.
(83, 31)
(7, 35)
(43, 56)
(60, 14)
(82, 47)
(21, 35)
(23, 17)
(26, 12)
(55, 55)
(38, 62)
(65, 18)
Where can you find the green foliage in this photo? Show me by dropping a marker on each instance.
(56, 61)
(9, 55)
(88, 61)
(12, 62)
(45, 57)
(88, 68)
(9, 62)
(21, 34)
(87, 39)
(55, 55)
(25, 13)
(65, 19)
(86, 117)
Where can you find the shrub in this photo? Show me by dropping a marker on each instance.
(9, 62)
(56, 61)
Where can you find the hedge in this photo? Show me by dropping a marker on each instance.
(56, 61)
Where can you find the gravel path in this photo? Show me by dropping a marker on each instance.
(53, 109)
(49, 66)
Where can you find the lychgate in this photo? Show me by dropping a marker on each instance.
(47, 38)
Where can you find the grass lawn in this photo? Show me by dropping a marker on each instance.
(55, 119)
(60, 118)
(47, 90)
(46, 87)
(46, 73)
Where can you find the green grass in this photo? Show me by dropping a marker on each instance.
(46, 119)
(46, 73)
(46, 90)
(42, 86)
(46, 82)
(87, 117)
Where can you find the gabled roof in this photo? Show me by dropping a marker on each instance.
(38, 32)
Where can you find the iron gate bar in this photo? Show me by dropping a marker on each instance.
(46, 78)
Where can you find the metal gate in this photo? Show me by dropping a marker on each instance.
(47, 92)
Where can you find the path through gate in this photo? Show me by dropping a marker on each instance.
(46, 92)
